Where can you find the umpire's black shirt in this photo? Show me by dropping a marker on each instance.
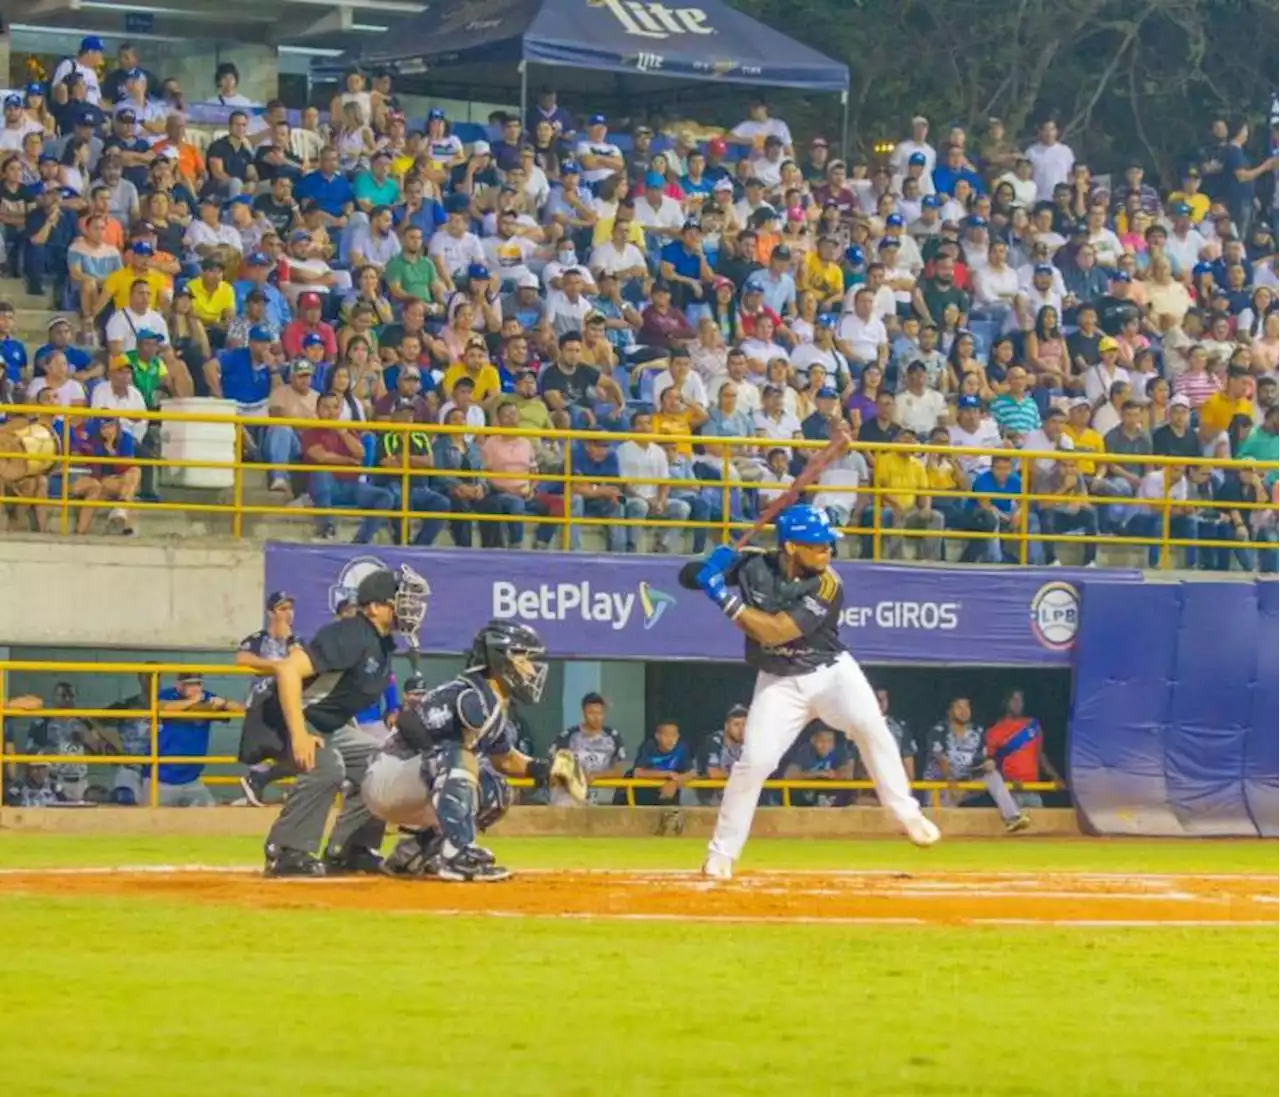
(814, 604)
(352, 663)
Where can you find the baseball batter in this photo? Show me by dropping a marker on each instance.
(788, 603)
(440, 774)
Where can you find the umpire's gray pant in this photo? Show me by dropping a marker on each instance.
(341, 758)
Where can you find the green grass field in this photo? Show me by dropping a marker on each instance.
(132, 996)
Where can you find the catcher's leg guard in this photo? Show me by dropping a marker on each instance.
(495, 799)
(453, 777)
(415, 854)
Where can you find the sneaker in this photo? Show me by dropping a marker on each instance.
(1018, 823)
(922, 831)
(352, 861)
(484, 856)
(253, 784)
(717, 867)
(291, 862)
(116, 520)
(466, 867)
(281, 485)
(416, 855)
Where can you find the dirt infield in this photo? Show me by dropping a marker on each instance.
(955, 898)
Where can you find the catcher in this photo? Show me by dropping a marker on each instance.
(440, 775)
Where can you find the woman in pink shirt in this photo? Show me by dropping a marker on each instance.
(509, 462)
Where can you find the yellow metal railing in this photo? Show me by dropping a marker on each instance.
(867, 496)
(154, 759)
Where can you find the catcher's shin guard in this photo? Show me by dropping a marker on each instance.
(455, 796)
(495, 799)
(416, 854)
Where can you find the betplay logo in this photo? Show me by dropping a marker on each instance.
(563, 601)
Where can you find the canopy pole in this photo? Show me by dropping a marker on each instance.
(844, 127)
(524, 93)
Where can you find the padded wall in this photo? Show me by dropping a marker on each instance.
(1174, 711)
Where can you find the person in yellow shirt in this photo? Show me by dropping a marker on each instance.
(820, 275)
(904, 505)
(603, 231)
(1217, 412)
(1190, 194)
(677, 416)
(213, 301)
(476, 365)
(117, 286)
(1083, 436)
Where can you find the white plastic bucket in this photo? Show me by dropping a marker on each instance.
(183, 441)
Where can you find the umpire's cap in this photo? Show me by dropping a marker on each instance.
(377, 586)
(806, 525)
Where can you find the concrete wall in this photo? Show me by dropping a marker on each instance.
(115, 593)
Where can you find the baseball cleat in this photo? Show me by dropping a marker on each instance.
(466, 867)
(922, 831)
(291, 862)
(253, 786)
(353, 861)
(1019, 822)
(717, 867)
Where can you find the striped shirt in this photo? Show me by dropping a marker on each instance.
(1197, 386)
(1013, 414)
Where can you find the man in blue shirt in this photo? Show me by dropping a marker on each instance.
(376, 187)
(78, 359)
(684, 265)
(592, 499)
(778, 284)
(257, 266)
(245, 374)
(13, 352)
(1002, 512)
(952, 169)
(821, 756)
(187, 738)
(329, 189)
(663, 757)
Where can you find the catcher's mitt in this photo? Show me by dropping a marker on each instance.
(567, 772)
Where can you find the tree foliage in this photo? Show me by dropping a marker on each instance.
(1124, 78)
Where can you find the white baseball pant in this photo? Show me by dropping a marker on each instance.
(841, 697)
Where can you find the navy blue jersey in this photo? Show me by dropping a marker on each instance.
(265, 646)
(675, 760)
(464, 710)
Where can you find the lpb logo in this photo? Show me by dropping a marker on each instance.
(1055, 615)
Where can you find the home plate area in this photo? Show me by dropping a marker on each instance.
(765, 896)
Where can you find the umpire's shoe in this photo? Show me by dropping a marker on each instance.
(352, 861)
(470, 866)
(291, 862)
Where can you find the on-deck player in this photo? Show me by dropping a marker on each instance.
(308, 716)
(788, 603)
(440, 774)
(261, 652)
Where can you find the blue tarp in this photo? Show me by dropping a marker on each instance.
(708, 42)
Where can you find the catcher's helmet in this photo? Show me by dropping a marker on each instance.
(515, 655)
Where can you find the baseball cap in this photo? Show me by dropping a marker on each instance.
(141, 247)
(89, 44)
(723, 183)
(309, 300)
(56, 321)
(126, 114)
(655, 179)
(888, 242)
(279, 598)
(796, 214)
(569, 167)
(828, 320)
(973, 221)
(752, 286)
(754, 181)
(597, 120)
(1044, 268)
(661, 287)
(377, 586)
(826, 393)
(1181, 209)
(147, 333)
(736, 711)
(404, 403)
(931, 201)
(301, 366)
(969, 402)
(480, 148)
(691, 223)
(190, 676)
(88, 116)
(718, 145)
(258, 259)
(528, 280)
(260, 334)
(782, 251)
(854, 255)
(894, 221)
(435, 114)
(478, 271)
(312, 339)
(1084, 402)
(1121, 276)
(918, 158)
(35, 88)
(297, 236)
(12, 101)
(1181, 400)
(1107, 343)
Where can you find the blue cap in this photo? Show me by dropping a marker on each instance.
(147, 333)
(973, 221)
(806, 525)
(478, 271)
(854, 255)
(435, 114)
(88, 116)
(241, 200)
(457, 203)
(1043, 268)
(918, 158)
(141, 247)
(597, 120)
(311, 339)
(826, 393)
(35, 88)
(1121, 276)
(1201, 268)
(260, 334)
(655, 179)
(931, 201)
(92, 42)
(126, 114)
(894, 221)
(135, 74)
(828, 320)
(1181, 209)
(753, 285)
(888, 242)
(47, 158)
(569, 167)
(968, 402)
(12, 101)
(258, 259)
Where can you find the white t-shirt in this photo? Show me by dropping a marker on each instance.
(808, 354)
(693, 390)
(120, 329)
(446, 149)
(1184, 251)
(920, 413)
(770, 127)
(642, 462)
(849, 471)
(1107, 246)
(597, 148)
(769, 172)
(995, 287)
(987, 434)
(555, 269)
(93, 90)
(758, 351)
(200, 235)
(314, 267)
(605, 257)
(748, 394)
(1050, 165)
(11, 138)
(863, 336)
(903, 152)
(508, 259)
(783, 429)
(564, 315)
(456, 252)
(1024, 190)
(132, 400)
(668, 215)
(1151, 486)
(475, 416)
(1098, 381)
(64, 395)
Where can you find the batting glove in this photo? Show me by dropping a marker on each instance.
(714, 586)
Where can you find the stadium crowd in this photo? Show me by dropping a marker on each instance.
(965, 290)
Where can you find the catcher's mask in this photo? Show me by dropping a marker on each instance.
(405, 591)
(513, 654)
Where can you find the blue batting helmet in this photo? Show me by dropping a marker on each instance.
(806, 525)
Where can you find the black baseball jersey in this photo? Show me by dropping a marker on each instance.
(265, 646)
(352, 662)
(814, 604)
(464, 710)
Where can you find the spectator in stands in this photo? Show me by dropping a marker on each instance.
(600, 498)
(597, 746)
(412, 450)
(639, 460)
(328, 445)
(49, 231)
(665, 757)
(112, 478)
(246, 374)
(510, 461)
(904, 505)
(820, 755)
(295, 400)
(458, 453)
(1061, 477)
(90, 261)
(229, 159)
(995, 509)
